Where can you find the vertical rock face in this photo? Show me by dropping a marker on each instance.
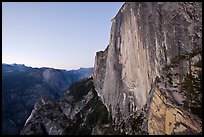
(144, 38)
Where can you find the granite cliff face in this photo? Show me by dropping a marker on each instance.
(144, 38)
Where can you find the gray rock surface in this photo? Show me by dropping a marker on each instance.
(77, 112)
(144, 38)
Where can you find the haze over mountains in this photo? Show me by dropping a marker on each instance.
(22, 86)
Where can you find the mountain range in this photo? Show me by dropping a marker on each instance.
(22, 86)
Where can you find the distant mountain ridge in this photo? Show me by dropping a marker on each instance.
(14, 67)
(23, 67)
(22, 86)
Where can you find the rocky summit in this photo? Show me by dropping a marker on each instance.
(77, 112)
(147, 81)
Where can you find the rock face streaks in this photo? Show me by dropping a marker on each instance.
(144, 38)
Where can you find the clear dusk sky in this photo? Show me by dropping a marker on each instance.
(64, 35)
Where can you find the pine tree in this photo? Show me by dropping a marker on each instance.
(192, 91)
(110, 114)
(190, 83)
(118, 113)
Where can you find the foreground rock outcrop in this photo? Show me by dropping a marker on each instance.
(165, 117)
(77, 112)
(161, 115)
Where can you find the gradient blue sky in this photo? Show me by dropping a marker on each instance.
(64, 35)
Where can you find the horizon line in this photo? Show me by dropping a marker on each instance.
(45, 66)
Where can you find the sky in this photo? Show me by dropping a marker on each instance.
(61, 35)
